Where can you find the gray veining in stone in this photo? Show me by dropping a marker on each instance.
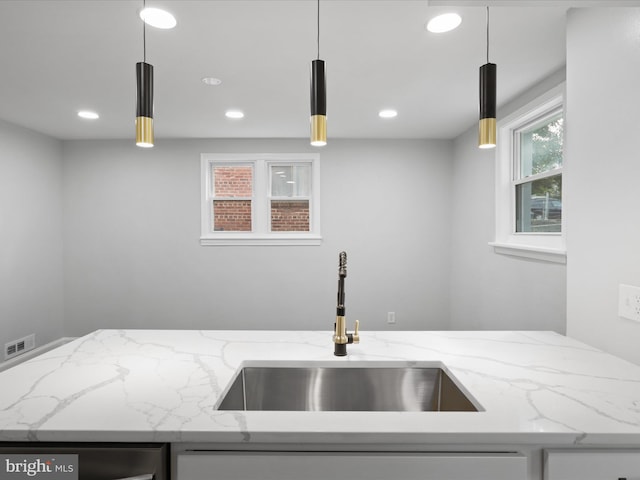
(163, 385)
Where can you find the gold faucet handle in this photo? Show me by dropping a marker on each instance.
(356, 332)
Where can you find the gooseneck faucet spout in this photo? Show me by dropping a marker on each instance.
(340, 336)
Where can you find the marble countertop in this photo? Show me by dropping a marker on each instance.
(164, 385)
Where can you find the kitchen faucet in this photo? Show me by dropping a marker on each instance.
(340, 336)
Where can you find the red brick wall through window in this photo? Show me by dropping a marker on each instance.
(232, 215)
(289, 215)
(233, 181)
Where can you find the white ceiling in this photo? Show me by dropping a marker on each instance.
(60, 56)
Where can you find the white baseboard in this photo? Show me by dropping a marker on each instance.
(34, 353)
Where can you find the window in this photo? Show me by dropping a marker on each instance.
(264, 199)
(538, 174)
(232, 197)
(289, 196)
(529, 164)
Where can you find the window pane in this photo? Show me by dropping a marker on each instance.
(290, 180)
(539, 205)
(541, 146)
(233, 181)
(233, 192)
(232, 215)
(289, 215)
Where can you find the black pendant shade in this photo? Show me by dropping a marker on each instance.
(318, 104)
(488, 90)
(144, 104)
(487, 125)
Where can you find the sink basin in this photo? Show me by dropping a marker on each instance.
(369, 389)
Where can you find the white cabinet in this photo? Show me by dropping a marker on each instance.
(350, 466)
(592, 464)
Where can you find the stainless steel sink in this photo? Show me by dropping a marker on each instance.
(371, 389)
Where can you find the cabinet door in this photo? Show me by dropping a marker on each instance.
(592, 464)
(350, 466)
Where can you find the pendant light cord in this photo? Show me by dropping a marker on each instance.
(318, 39)
(144, 35)
(487, 34)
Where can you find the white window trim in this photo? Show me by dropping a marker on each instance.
(260, 235)
(550, 247)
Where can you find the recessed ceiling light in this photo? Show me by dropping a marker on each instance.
(234, 114)
(388, 113)
(211, 81)
(157, 18)
(444, 23)
(88, 115)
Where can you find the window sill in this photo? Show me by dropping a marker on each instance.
(551, 255)
(245, 240)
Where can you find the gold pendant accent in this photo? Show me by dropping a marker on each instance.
(318, 130)
(487, 133)
(144, 131)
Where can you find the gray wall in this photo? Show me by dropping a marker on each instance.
(133, 257)
(414, 216)
(30, 236)
(603, 172)
(491, 291)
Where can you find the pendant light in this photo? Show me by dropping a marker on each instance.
(144, 96)
(318, 97)
(487, 125)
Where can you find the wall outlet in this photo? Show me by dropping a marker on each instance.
(391, 318)
(20, 346)
(629, 302)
